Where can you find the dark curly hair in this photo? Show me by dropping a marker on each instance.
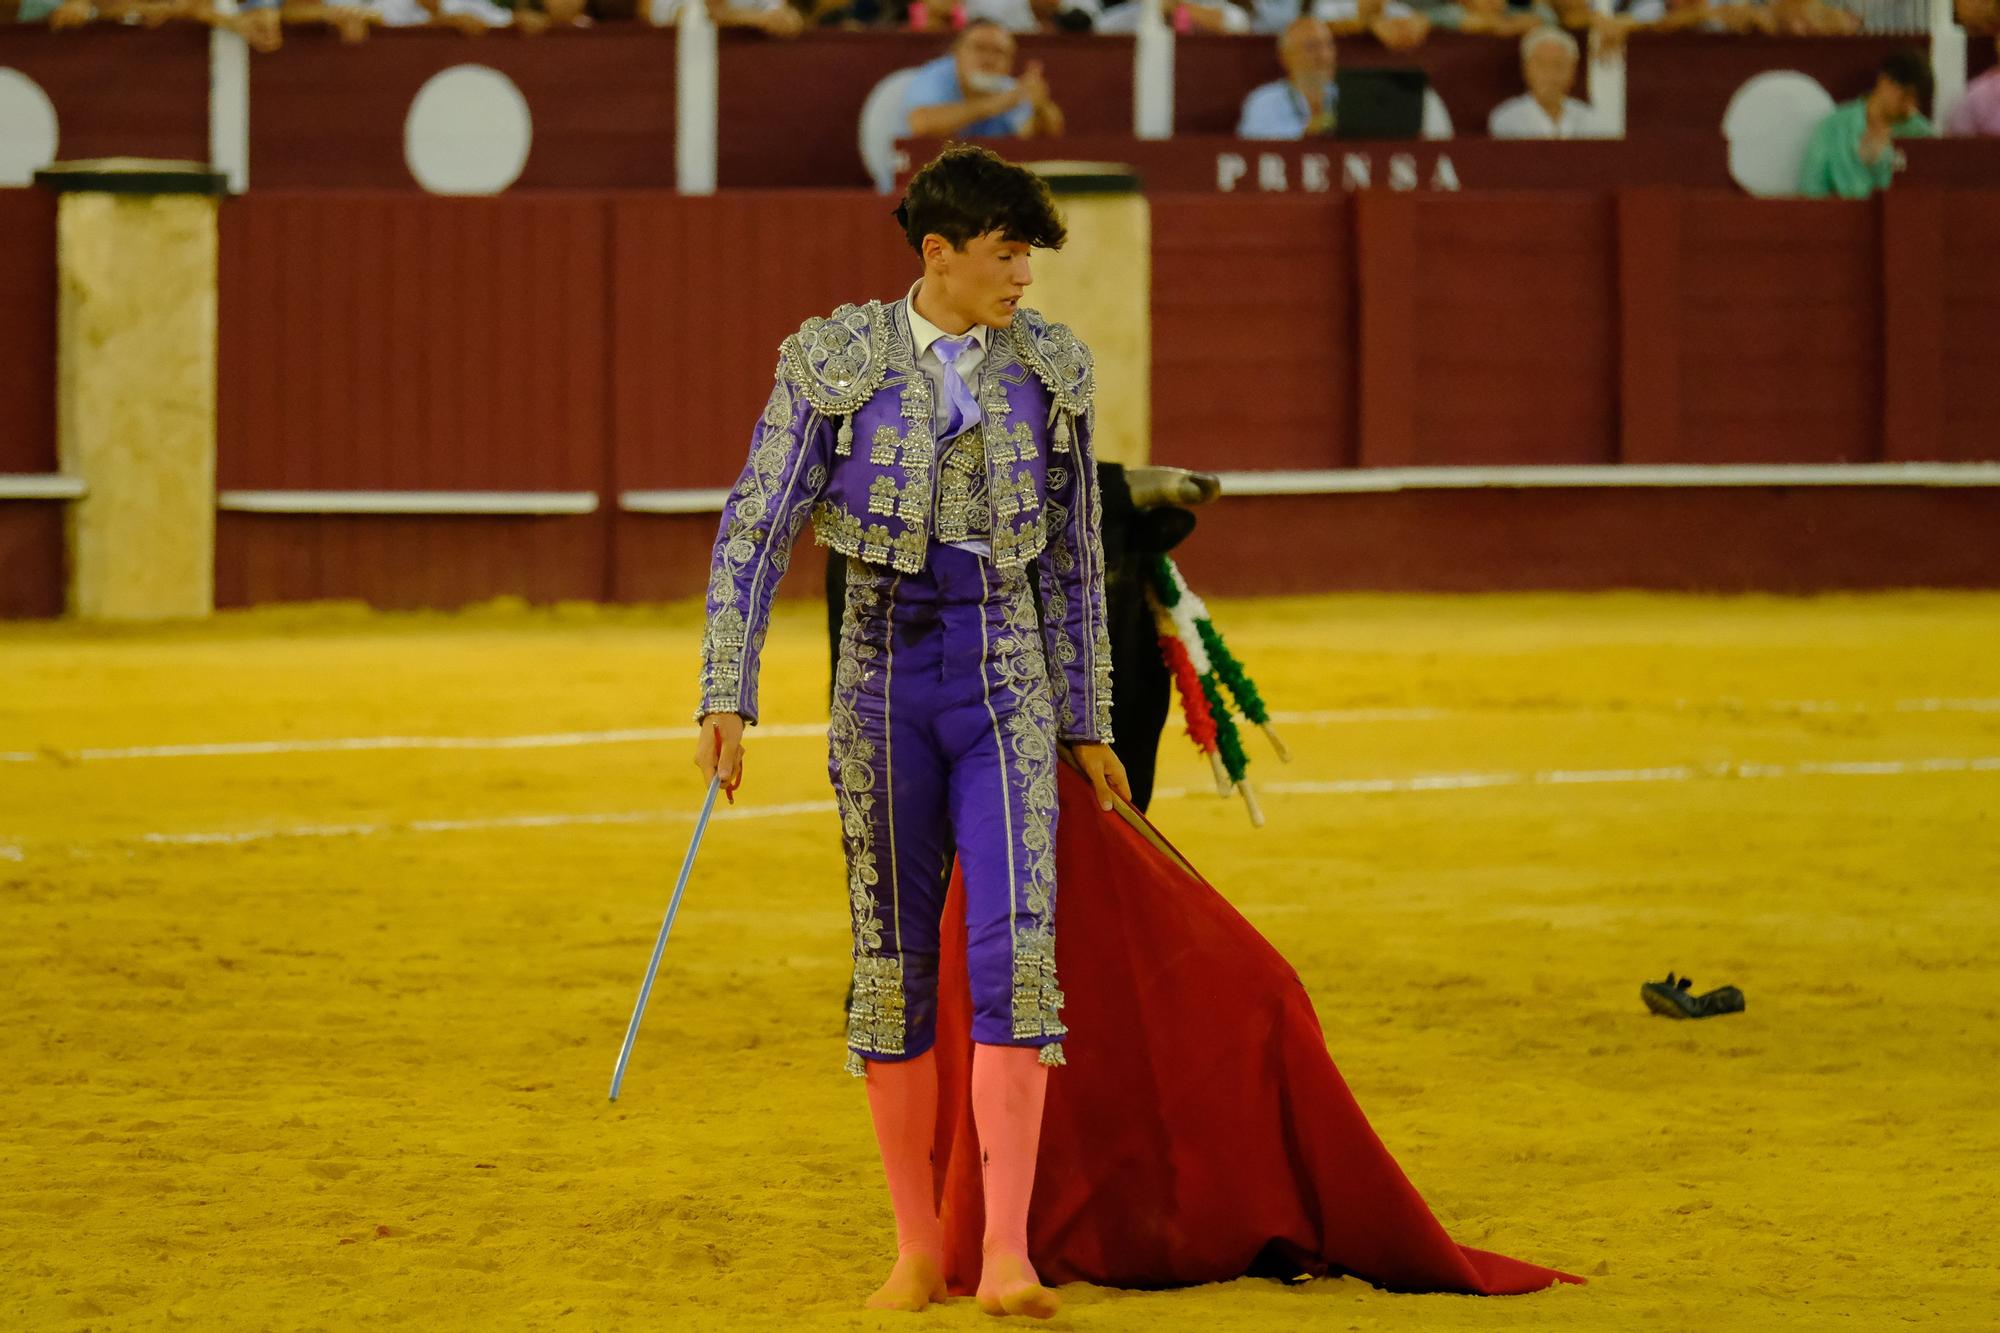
(967, 191)
(1911, 69)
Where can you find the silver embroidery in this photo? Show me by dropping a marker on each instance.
(839, 360)
(1058, 358)
(962, 510)
(1015, 543)
(1075, 558)
(1095, 626)
(1030, 746)
(758, 541)
(882, 453)
(885, 331)
(875, 1014)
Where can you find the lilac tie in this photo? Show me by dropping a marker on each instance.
(964, 407)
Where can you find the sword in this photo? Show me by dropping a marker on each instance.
(660, 945)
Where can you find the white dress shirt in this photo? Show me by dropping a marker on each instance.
(1523, 118)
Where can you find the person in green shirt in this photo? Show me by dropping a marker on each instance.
(1850, 155)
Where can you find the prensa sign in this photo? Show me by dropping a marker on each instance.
(1321, 173)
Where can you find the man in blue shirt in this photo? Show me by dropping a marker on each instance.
(1301, 103)
(970, 92)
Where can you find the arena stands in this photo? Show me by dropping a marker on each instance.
(1454, 361)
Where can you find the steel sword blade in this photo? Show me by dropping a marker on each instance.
(660, 945)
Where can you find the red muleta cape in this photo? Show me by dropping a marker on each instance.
(1200, 1129)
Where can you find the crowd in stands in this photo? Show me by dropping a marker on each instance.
(1398, 24)
(973, 89)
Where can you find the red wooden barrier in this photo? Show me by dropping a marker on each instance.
(1515, 322)
(119, 91)
(605, 344)
(1971, 279)
(402, 342)
(31, 531)
(1253, 332)
(1776, 539)
(1780, 332)
(323, 114)
(1289, 332)
(399, 342)
(407, 562)
(27, 331)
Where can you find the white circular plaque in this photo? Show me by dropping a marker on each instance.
(468, 132)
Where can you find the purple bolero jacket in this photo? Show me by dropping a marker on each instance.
(846, 438)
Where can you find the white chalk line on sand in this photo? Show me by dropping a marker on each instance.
(1425, 782)
(557, 740)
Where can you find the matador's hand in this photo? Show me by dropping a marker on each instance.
(1100, 764)
(720, 748)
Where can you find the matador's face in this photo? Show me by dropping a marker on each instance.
(985, 280)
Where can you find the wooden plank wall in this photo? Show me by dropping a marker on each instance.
(398, 342)
(601, 100)
(31, 531)
(602, 343)
(1649, 326)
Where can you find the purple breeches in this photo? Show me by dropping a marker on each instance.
(943, 742)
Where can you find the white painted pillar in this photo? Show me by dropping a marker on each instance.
(695, 113)
(1607, 81)
(1153, 74)
(1947, 61)
(229, 103)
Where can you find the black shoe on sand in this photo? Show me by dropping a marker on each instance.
(1673, 998)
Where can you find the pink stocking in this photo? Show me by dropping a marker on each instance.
(903, 1100)
(1008, 1086)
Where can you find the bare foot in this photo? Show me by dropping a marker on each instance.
(1008, 1286)
(915, 1281)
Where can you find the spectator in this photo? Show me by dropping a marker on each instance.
(773, 18)
(1391, 22)
(1673, 16)
(1303, 102)
(257, 23)
(1494, 17)
(538, 16)
(1979, 112)
(1219, 16)
(1850, 154)
(1035, 15)
(354, 17)
(970, 92)
(1549, 59)
(58, 14)
(1803, 18)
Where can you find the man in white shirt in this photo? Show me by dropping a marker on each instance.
(1549, 59)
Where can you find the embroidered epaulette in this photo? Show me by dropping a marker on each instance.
(839, 360)
(1058, 358)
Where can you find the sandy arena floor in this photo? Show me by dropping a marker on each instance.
(319, 1037)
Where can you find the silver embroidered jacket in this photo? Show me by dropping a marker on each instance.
(846, 438)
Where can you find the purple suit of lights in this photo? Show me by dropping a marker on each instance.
(951, 690)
